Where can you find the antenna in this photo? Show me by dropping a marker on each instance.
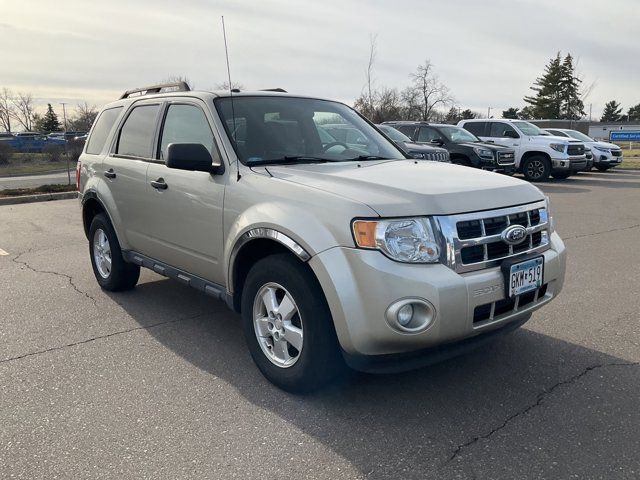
(233, 113)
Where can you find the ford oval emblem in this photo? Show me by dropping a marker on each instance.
(514, 234)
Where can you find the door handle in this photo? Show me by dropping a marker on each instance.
(110, 173)
(159, 184)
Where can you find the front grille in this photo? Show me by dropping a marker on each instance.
(437, 156)
(474, 240)
(575, 149)
(506, 158)
(495, 310)
(616, 153)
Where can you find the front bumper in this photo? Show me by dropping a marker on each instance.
(361, 284)
(573, 164)
(602, 159)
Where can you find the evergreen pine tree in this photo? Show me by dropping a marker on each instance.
(572, 107)
(612, 111)
(510, 113)
(50, 121)
(547, 102)
(634, 113)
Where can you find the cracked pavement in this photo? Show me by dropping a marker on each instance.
(156, 382)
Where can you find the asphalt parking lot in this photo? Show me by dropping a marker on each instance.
(157, 383)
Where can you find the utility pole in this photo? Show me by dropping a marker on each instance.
(488, 112)
(64, 115)
(590, 106)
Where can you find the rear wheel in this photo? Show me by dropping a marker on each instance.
(536, 168)
(288, 325)
(561, 175)
(109, 268)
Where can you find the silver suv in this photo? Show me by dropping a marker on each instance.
(334, 254)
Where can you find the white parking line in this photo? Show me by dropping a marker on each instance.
(2, 252)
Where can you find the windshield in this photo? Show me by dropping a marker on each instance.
(269, 129)
(458, 135)
(529, 128)
(579, 136)
(394, 134)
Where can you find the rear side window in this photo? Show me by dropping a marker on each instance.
(104, 124)
(499, 129)
(408, 130)
(136, 135)
(477, 128)
(186, 124)
(427, 134)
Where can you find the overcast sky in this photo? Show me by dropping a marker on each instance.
(488, 52)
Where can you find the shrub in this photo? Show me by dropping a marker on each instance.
(74, 149)
(53, 153)
(5, 153)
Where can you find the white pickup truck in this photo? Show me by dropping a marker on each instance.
(538, 155)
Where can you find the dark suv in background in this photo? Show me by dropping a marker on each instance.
(416, 150)
(464, 148)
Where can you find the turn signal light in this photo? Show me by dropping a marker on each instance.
(364, 232)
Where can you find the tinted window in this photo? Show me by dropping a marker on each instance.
(186, 124)
(477, 128)
(498, 129)
(408, 130)
(137, 132)
(104, 124)
(427, 134)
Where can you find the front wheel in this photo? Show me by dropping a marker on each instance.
(536, 168)
(602, 168)
(288, 325)
(110, 269)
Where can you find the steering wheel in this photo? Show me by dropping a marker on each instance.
(334, 144)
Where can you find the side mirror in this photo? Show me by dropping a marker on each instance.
(437, 141)
(191, 156)
(511, 134)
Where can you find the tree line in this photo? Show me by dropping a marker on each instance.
(18, 111)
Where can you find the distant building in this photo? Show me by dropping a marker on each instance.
(600, 131)
(597, 130)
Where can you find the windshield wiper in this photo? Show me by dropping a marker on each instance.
(364, 157)
(287, 159)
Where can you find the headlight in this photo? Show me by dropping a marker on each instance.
(483, 152)
(558, 147)
(602, 149)
(409, 240)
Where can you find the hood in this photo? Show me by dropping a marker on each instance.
(547, 139)
(409, 187)
(421, 147)
(611, 146)
(488, 146)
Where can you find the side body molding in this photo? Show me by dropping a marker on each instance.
(268, 233)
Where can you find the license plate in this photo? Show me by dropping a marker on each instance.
(525, 276)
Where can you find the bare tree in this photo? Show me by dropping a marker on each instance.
(23, 110)
(179, 78)
(373, 40)
(225, 86)
(6, 109)
(83, 117)
(432, 92)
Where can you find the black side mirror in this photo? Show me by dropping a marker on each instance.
(191, 156)
(511, 134)
(437, 141)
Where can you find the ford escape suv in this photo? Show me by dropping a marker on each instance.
(333, 256)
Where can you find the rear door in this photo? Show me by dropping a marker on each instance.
(184, 216)
(479, 129)
(125, 170)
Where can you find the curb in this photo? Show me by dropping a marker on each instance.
(49, 172)
(43, 197)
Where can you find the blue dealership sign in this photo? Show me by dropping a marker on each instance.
(626, 135)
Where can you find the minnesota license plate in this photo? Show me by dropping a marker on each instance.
(525, 276)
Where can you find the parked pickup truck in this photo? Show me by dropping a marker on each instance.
(538, 155)
(332, 257)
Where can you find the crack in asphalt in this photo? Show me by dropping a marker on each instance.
(540, 398)
(600, 233)
(50, 272)
(100, 337)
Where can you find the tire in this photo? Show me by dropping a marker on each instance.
(602, 168)
(465, 162)
(298, 351)
(561, 175)
(536, 168)
(109, 268)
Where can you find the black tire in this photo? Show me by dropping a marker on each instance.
(465, 162)
(319, 361)
(121, 275)
(536, 168)
(561, 175)
(602, 168)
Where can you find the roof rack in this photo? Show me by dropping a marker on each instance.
(280, 90)
(167, 87)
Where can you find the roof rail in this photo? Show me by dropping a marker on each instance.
(167, 87)
(281, 90)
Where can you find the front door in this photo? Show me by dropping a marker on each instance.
(184, 219)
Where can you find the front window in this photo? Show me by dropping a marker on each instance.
(287, 129)
(394, 134)
(427, 134)
(458, 135)
(529, 129)
(580, 136)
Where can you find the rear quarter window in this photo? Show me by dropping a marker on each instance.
(100, 132)
(477, 128)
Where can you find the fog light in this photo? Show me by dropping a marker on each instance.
(410, 315)
(405, 314)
